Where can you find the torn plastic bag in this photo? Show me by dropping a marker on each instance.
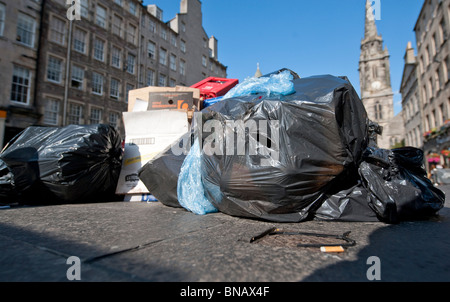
(273, 157)
(397, 185)
(190, 191)
(64, 164)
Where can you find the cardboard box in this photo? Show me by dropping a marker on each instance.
(170, 100)
(141, 96)
(147, 133)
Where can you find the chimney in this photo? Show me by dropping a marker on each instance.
(213, 47)
(410, 58)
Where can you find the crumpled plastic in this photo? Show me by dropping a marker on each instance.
(280, 83)
(190, 188)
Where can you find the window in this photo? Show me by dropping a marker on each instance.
(75, 113)
(441, 114)
(25, 30)
(116, 55)
(425, 94)
(131, 37)
(114, 88)
(20, 89)
(173, 39)
(162, 80)
(378, 111)
(437, 80)
(182, 67)
(447, 68)
(100, 16)
(77, 77)
(204, 61)
(173, 62)
(151, 48)
(2, 19)
(118, 2)
(114, 119)
(431, 87)
(54, 69)
(172, 82)
(96, 115)
(150, 77)
(443, 31)
(97, 83)
(84, 8)
(117, 27)
(152, 26)
(99, 47)
(51, 112)
(132, 8)
(163, 33)
(183, 46)
(57, 30)
(163, 56)
(127, 90)
(183, 27)
(130, 63)
(79, 40)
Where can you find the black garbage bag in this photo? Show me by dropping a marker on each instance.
(304, 141)
(160, 174)
(397, 185)
(7, 189)
(76, 163)
(347, 200)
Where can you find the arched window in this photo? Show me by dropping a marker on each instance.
(378, 111)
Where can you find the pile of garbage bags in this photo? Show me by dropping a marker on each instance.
(52, 165)
(287, 149)
(277, 148)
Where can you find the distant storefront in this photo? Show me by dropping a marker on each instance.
(437, 145)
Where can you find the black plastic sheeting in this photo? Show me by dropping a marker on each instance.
(72, 164)
(328, 166)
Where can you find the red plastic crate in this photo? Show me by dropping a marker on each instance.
(213, 87)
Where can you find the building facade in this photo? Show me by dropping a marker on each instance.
(20, 23)
(411, 101)
(80, 71)
(432, 31)
(375, 81)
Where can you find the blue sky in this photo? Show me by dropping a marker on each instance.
(309, 37)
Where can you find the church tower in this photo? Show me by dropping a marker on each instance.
(375, 79)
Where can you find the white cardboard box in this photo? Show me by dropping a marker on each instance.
(147, 133)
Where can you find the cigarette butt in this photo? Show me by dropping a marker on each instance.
(332, 249)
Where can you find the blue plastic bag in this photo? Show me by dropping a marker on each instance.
(280, 83)
(209, 102)
(190, 190)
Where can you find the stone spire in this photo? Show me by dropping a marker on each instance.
(258, 72)
(371, 28)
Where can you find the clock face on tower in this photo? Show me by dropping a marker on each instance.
(376, 85)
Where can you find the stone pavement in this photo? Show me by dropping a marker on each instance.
(139, 241)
